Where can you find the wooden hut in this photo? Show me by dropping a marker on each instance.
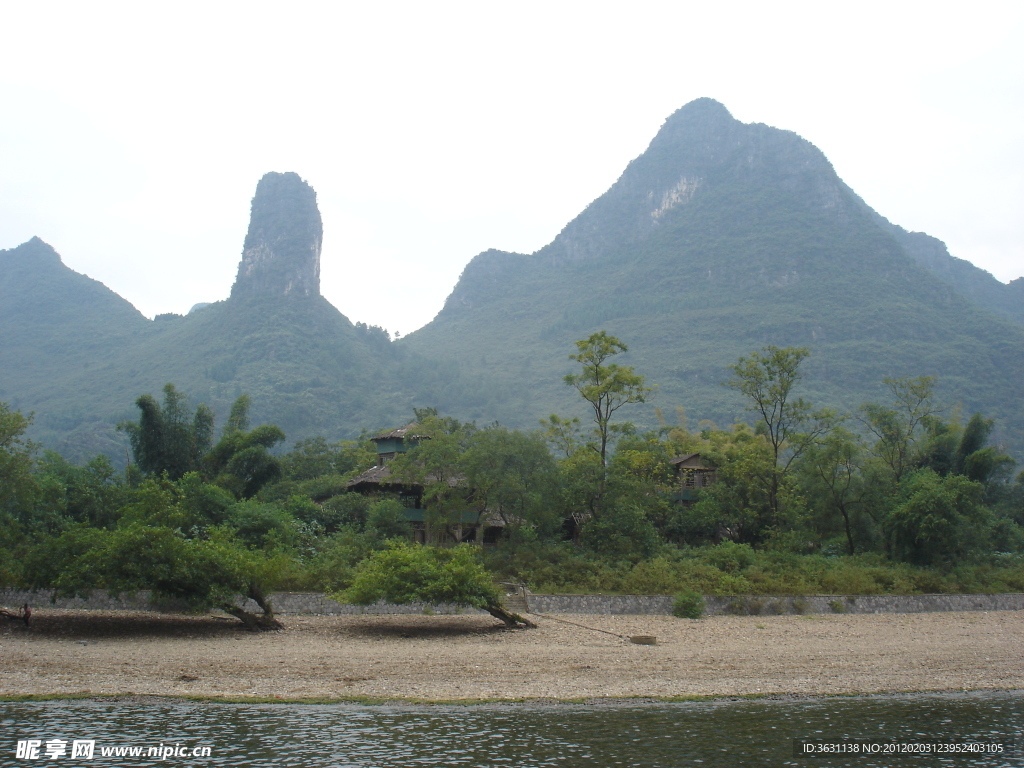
(473, 524)
(693, 473)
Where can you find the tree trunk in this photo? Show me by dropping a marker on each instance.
(846, 524)
(254, 622)
(512, 620)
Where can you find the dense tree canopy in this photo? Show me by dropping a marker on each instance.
(405, 573)
(180, 532)
(901, 496)
(168, 439)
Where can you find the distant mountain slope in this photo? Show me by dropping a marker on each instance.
(723, 237)
(50, 309)
(81, 362)
(305, 366)
(78, 355)
(55, 325)
(976, 285)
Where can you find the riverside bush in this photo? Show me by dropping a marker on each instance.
(652, 577)
(688, 605)
(731, 569)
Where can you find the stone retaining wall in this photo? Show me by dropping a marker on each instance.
(315, 603)
(318, 604)
(283, 603)
(769, 604)
(602, 604)
(99, 600)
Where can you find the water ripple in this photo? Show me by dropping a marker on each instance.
(713, 734)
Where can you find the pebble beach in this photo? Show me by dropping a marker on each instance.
(473, 658)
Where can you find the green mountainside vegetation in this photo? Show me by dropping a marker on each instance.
(721, 238)
(57, 326)
(856, 388)
(76, 355)
(895, 498)
(306, 366)
(974, 284)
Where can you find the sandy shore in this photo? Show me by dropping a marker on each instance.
(471, 657)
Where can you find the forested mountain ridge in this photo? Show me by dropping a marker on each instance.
(976, 285)
(78, 355)
(57, 327)
(720, 238)
(75, 313)
(723, 237)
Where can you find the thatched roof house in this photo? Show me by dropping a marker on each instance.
(473, 524)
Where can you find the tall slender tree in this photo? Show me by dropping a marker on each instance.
(607, 387)
(900, 427)
(788, 423)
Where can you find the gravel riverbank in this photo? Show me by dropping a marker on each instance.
(471, 657)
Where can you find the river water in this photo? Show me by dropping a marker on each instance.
(720, 733)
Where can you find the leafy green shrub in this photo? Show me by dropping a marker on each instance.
(652, 577)
(385, 519)
(559, 567)
(688, 605)
(708, 580)
(257, 524)
(930, 581)
(621, 532)
(837, 606)
(941, 521)
(332, 568)
(729, 556)
(800, 605)
(406, 573)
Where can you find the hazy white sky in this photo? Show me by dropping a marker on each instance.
(132, 134)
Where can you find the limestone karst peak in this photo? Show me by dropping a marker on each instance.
(281, 254)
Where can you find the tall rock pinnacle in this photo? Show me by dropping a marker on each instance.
(281, 255)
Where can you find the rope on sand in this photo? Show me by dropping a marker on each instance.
(584, 626)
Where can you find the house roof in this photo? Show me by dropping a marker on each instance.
(691, 460)
(401, 432)
(376, 474)
(682, 457)
(381, 475)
